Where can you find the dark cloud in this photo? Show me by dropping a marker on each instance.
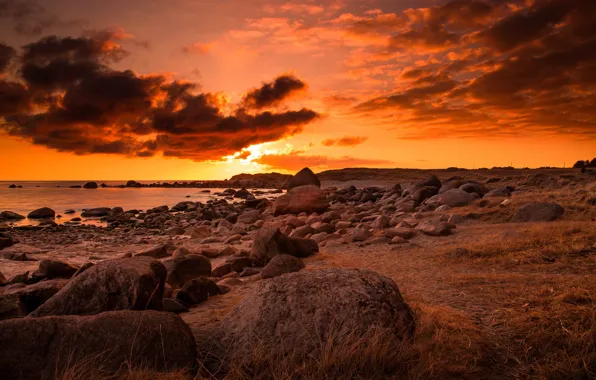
(30, 18)
(517, 68)
(71, 100)
(345, 141)
(7, 53)
(272, 93)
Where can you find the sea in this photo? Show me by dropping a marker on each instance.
(58, 196)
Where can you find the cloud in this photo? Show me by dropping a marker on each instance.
(273, 93)
(7, 53)
(197, 48)
(295, 161)
(70, 99)
(345, 141)
(30, 18)
(484, 69)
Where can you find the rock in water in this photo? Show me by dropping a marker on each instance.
(302, 178)
(270, 242)
(42, 213)
(9, 215)
(96, 212)
(90, 185)
(42, 347)
(182, 269)
(282, 264)
(292, 314)
(307, 199)
(124, 284)
(538, 212)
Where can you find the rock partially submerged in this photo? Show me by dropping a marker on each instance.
(39, 348)
(124, 284)
(42, 213)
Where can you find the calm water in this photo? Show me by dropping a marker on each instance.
(31, 197)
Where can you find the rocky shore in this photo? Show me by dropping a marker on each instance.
(121, 285)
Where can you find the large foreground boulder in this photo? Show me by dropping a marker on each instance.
(270, 242)
(294, 313)
(307, 199)
(41, 348)
(538, 212)
(302, 178)
(124, 284)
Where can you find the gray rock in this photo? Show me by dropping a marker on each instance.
(185, 268)
(40, 347)
(123, 284)
(282, 264)
(293, 313)
(538, 212)
(300, 199)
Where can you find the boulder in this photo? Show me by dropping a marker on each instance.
(473, 187)
(237, 263)
(293, 313)
(185, 268)
(197, 290)
(56, 269)
(432, 181)
(432, 228)
(44, 347)
(157, 252)
(453, 198)
(42, 213)
(6, 240)
(248, 217)
(269, 242)
(123, 284)
(9, 215)
(302, 178)
(309, 198)
(96, 212)
(133, 184)
(282, 264)
(424, 193)
(18, 300)
(90, 185)
(538, 212)
(502, 192)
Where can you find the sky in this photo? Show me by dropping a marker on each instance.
(206, 89)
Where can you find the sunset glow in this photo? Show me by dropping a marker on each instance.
(206, 90)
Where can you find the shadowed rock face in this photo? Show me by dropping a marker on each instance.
(307, 199)
(282, 264)
(18, 300)
(40, 346)
(185, 268)
(270, 242)
(538, 212)
(302, 178)
(124, 284)
(293, 312)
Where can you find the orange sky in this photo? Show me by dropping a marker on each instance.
(278, 85)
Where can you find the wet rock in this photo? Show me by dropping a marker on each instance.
(42, 213)
(69, 211)
(185, 268)
(134, 283)
(300, 199)
(9, 215)
(42, 347)
(96, 212)
(538, 212)
(281, 264)
(303, 178)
